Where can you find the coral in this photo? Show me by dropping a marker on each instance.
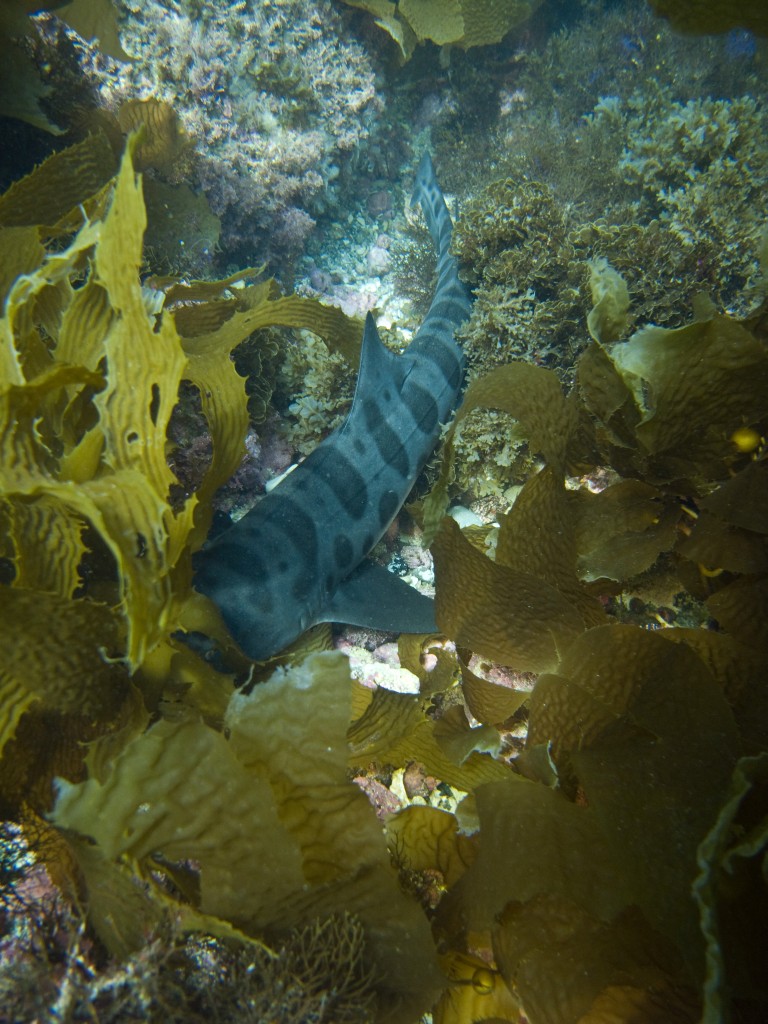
(514, 238)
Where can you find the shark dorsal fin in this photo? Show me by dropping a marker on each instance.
(379, 366)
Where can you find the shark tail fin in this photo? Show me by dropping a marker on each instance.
(427, 192)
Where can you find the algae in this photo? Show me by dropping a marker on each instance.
(613, 869)
(713, 15)
(634, 738)
(298, 841)
(464, 23)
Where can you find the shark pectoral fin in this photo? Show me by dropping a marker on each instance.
(373, 597)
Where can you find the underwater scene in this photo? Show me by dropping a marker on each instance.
(384, 511)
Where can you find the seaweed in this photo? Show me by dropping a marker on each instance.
(713, 15)
(90, 379)
(464, 23)
(594, 847)
(640, 745)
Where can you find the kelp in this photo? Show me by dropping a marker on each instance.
(626, 716)
(90, 379)
(278, 834)
(395, 728)
(463, 23)
(94, 20)
(612, 871)
(728, 892)
(713, 15)
(59, 185)
(21, 86)
(507, 615)
(252, 789)
(608, 874)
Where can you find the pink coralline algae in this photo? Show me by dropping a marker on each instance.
(274, 99)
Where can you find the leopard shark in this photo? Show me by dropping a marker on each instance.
(299, 557)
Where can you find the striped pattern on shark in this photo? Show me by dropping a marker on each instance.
(297, 558)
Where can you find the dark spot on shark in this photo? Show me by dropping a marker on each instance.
(373, 415)
(442, 309)
(348, 486)
(392, 450)
(296, 525)
(449, 364)
(422, 407)
(388, 444)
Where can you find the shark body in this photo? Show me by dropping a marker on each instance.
(298, 557)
